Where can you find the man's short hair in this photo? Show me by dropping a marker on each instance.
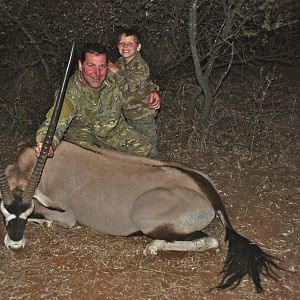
(129, 32)
(94, 48)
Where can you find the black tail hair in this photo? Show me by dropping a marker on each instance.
(244, 257)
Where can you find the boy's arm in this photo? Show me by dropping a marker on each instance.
(154, 100)
(133, 78)
(142, 76)
(113, 67)
(139, 76)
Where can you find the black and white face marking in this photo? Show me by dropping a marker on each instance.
(15, 217)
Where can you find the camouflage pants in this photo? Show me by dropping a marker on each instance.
(148, 128)
(122, 138)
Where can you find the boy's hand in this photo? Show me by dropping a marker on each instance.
(112, 67)
(38, 149)
(154, 100)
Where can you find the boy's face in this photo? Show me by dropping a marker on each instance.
(128, 47)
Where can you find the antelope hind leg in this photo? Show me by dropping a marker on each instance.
(201, 244)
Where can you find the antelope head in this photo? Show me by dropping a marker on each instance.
(17, 205)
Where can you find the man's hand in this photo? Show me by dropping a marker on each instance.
(154, 100)
(38, 149)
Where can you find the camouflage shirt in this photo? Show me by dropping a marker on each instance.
(97, 112)
(134, 80)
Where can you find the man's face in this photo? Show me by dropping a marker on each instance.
(128, 47)
(93, 70)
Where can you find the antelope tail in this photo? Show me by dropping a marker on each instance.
(244, 257)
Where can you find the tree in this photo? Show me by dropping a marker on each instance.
(232, 32)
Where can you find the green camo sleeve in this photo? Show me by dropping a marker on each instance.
(68, 112)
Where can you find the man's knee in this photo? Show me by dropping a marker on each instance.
(81, 137)
(126, 139)
(138, 144)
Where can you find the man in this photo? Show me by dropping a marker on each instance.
(91, 113)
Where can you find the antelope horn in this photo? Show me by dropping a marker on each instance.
(38, 169)
(6, 193)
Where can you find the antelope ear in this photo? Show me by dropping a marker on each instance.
(46, 201)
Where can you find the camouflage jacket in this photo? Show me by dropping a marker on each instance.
(98, 113)
(134, 80)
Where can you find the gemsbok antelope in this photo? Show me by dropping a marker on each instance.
(120, 194)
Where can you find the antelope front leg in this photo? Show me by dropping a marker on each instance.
(42, 222)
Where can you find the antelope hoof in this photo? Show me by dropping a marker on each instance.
(42, 222)
(206, 243)
(153, 247)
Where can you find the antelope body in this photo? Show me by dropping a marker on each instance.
(119, 194)
(113, 192)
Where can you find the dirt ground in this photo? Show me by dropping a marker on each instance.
(262, 201)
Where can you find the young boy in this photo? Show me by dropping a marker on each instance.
(133, 74)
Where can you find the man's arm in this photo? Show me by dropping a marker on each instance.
(68, 112)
